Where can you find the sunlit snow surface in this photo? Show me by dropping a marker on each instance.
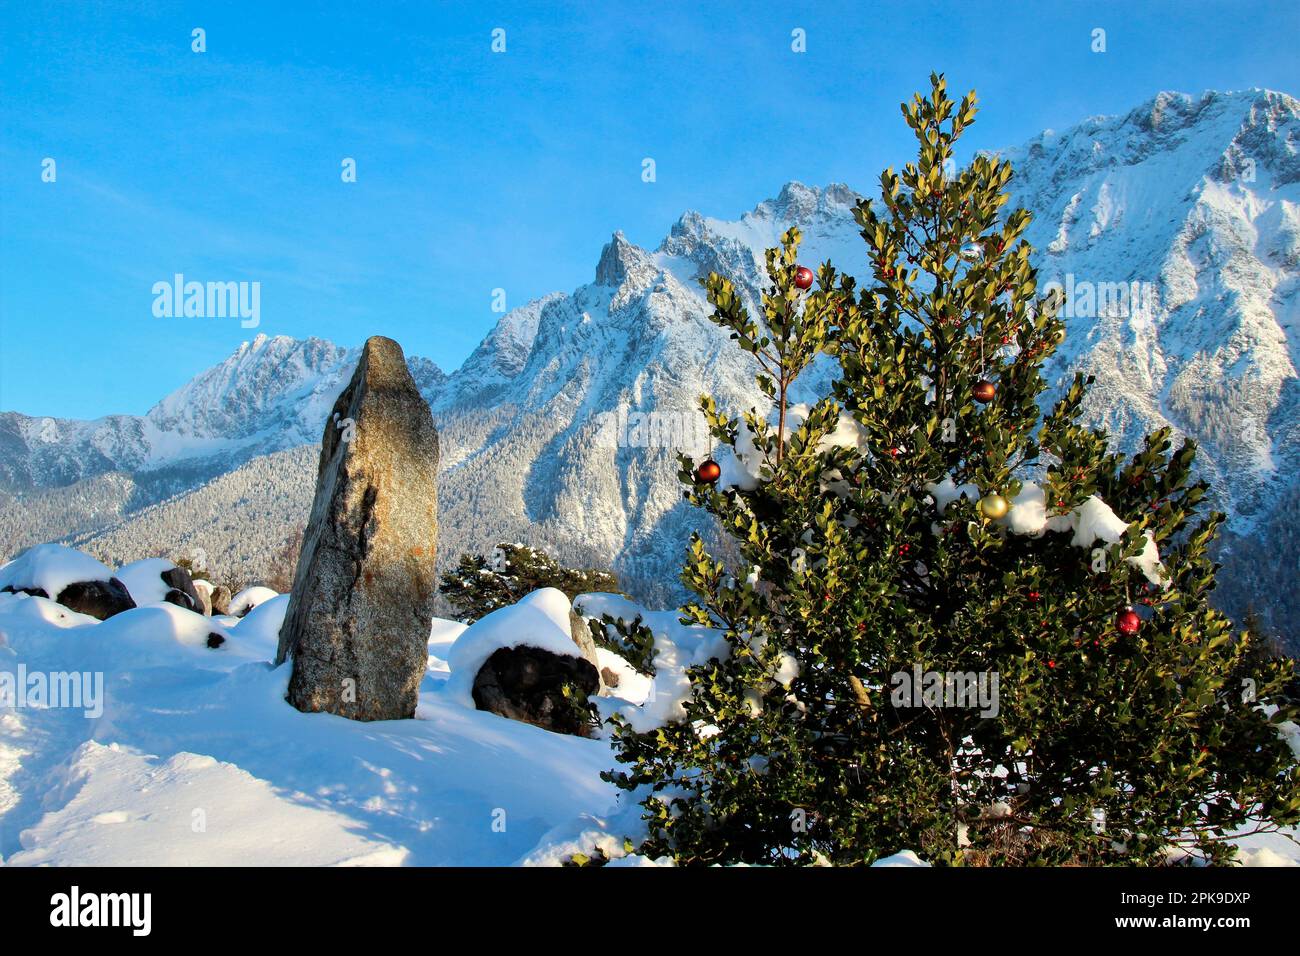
(196, 758)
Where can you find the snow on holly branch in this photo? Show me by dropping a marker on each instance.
(917, 515)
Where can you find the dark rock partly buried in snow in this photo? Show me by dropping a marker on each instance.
(99, 599)
(182, 591)
(357, 625)
(528, 683)
(79, 582)
(154, 580)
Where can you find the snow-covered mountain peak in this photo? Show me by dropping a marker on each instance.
(617, 259)
(1175, 226)
(735, 248)
(1214, 133)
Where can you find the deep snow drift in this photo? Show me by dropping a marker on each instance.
(196, 757)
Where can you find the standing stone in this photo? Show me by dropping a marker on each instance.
(358, 621)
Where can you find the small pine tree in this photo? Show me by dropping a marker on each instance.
(481, 584)
(885, 532)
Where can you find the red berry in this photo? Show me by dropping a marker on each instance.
(803, 278)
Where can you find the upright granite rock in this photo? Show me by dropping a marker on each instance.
(357, 625)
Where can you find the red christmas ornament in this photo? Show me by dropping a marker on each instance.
(803, 278)
(984, 391)
(709, 472)
(1128, 621)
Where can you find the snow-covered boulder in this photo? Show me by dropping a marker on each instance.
(246, 600)
(70, 577)
(157, 580)
(903, 858)
(519, 660)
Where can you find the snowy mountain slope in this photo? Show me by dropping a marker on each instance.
(1195, 199)
(235, 525)
(270, 394)
(1198, 200)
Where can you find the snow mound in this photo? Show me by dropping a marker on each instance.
(51, 567)
(249, 598)
(143, 579)
(901, 858)
(442, 635)
(539, 620)
(632, 686)
(259, 629)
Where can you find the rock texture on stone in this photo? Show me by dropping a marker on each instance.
(204, 590)
(358, 621)
(581, 633)
(527, 683)
(220, 600)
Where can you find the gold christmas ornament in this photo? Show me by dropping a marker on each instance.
(994, 506)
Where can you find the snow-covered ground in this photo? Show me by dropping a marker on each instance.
(196, 757)
(137, 743)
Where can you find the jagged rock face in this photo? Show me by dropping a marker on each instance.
(528, 683)
(357, 625)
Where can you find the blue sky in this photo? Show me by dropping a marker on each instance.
(478, 170)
